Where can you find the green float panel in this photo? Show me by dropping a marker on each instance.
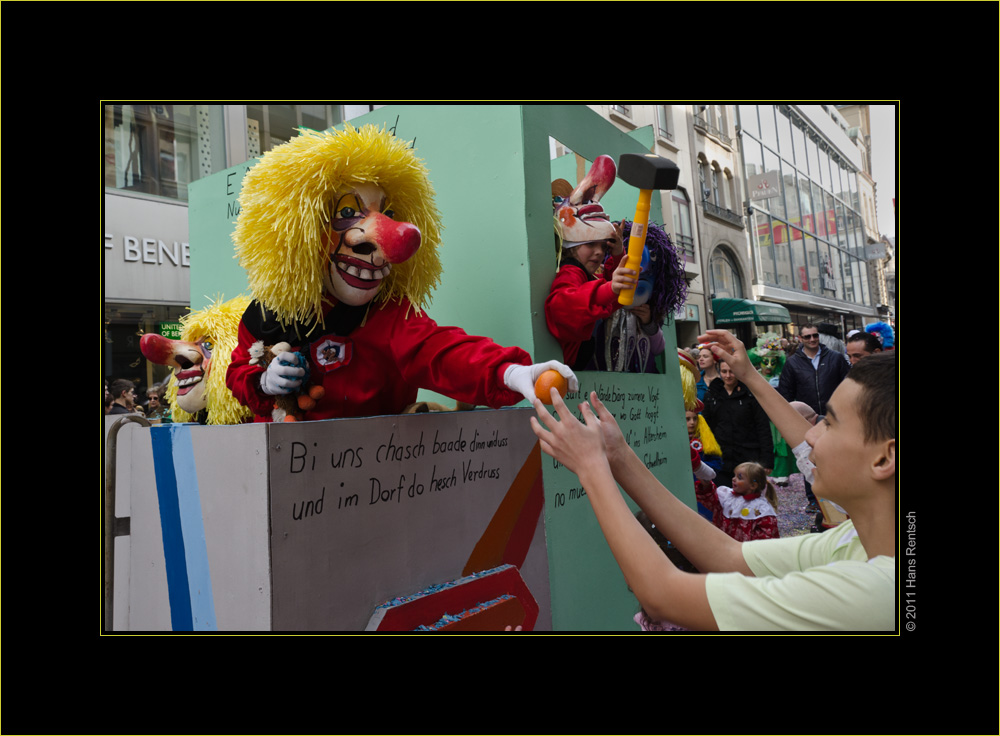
(491, 169)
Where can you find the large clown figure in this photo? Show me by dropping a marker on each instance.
(338, 233)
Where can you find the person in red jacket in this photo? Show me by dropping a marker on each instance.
(338, 233)
(591, 271)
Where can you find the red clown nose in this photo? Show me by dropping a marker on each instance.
(158, 349)
(398, 241)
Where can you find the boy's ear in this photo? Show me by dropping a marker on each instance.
(884, 465)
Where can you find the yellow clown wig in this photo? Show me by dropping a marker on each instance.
(287, 200)
(217, 323)
(689, 381)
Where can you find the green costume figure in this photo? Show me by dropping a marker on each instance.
(768, 357)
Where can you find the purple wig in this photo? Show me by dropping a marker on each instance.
(669, 285)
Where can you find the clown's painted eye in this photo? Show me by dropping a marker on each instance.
(389, 213)
(557, 200)
(348, 207)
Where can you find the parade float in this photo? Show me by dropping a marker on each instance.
(452, 519)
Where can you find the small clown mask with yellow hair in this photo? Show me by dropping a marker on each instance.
(199, 361)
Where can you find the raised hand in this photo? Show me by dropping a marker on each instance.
(577, 445)
(624, 278)
(615, 446)
(726, 347)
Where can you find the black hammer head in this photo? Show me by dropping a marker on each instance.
(647, 171)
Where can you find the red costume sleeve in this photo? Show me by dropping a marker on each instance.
(576, 303)
(393, 354)
(707, 495)
(243, 379)
(451, 362)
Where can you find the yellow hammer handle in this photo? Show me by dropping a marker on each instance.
(636, 241)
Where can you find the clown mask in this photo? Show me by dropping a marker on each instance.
(191, 363)
(579, 216)
(363, 242)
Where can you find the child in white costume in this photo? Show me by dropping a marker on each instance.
(747, 510)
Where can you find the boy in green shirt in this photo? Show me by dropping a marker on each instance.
(843, 579)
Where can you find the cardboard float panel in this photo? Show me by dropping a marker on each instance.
(363, 511)
(311, 526)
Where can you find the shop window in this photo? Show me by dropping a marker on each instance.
(271, 125)
(748, 120)
(160, 149)
(664, 124)
(764, 242)
(726, 281)
(683, 237)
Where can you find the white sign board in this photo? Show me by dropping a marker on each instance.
(764, 186)
(368, 510)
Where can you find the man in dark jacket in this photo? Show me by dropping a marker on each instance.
(739, 424)
(812, 373)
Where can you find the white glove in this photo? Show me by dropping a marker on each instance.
(801, 452)
(521, 378)
(283, 376)
(704, 472)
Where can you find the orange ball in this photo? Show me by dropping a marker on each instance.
(548, 380)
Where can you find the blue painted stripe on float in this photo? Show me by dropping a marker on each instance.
(185, 553)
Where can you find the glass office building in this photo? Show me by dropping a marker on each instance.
(806, 230)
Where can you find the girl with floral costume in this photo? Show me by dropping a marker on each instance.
(747, 511)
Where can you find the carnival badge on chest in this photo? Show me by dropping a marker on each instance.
(331, 352)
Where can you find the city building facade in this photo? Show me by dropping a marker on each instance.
(811, 214)
(775, 215)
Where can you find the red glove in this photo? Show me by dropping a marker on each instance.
(695, 454)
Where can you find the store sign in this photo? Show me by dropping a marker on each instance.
(764, 186)
(875, 251)
(147, 257)
(170, 330)
(151, 250)
(687, 313)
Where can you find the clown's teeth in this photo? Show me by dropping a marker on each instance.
(364, 273)
(188, 381)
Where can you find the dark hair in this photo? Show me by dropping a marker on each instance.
(825, 328)
(877, 376)
(120, 386)
(872, 345)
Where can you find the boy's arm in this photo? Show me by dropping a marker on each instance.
(706, 546)
(664, 591)
(792, 425)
